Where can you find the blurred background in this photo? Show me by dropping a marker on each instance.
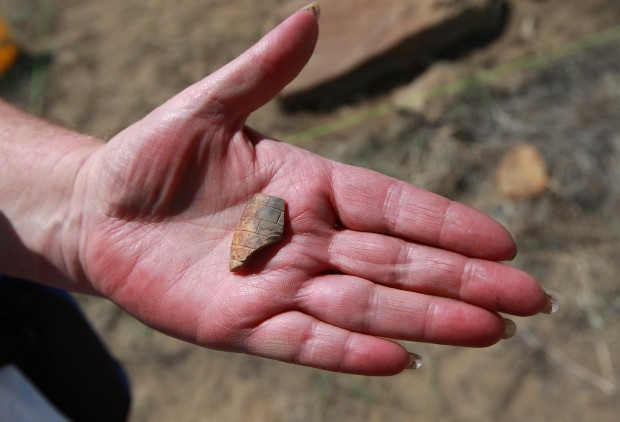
(511, 106)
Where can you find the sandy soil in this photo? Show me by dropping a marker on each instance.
(98, 66)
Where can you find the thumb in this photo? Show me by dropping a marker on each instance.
(259, 74)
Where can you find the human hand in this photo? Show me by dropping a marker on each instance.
(365, 258)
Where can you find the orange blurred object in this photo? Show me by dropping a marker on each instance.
(8, 49)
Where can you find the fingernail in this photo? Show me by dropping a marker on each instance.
(415, 361)
(510, 330)
(514, 255)
(314, 8)
(552, 304)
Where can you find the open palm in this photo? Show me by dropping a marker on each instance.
(364, 257)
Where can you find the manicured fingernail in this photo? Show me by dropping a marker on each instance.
(415, 361)
(552, 304)
(314, 8)
(514, 255)
(510, 330)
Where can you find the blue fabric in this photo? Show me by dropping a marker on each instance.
(44, 333)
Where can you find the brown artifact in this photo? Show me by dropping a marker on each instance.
(261, 224)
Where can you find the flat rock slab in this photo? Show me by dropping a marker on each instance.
(362, 42)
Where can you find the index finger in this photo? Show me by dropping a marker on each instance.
(371, 202)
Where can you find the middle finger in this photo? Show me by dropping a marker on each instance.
(365, 307)
(409, 266)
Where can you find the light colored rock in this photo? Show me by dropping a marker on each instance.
(364, 41)
(522, 173)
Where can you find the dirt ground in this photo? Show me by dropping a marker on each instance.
(98, 66)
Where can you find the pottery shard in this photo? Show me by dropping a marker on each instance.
(261, 224)
(365, 42)
(522, 173)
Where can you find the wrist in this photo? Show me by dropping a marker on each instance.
(40, 211)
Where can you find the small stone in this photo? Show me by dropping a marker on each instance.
(522, 173)
(261, 225)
